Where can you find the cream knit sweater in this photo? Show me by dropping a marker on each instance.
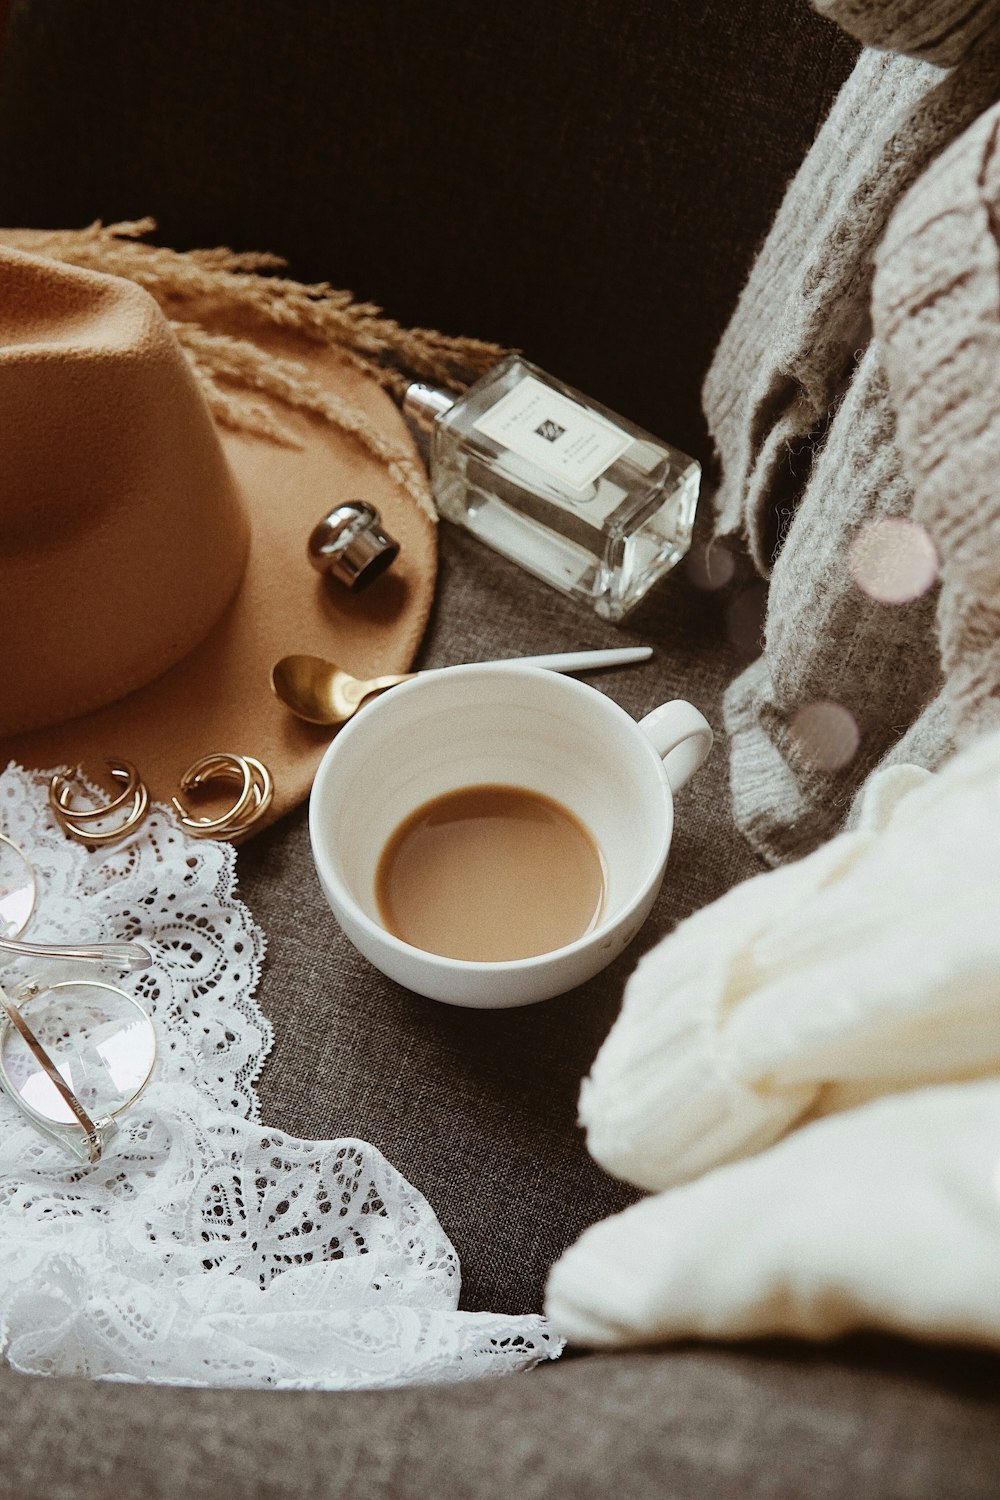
(807, 1074)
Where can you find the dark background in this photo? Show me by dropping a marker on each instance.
(526, 173)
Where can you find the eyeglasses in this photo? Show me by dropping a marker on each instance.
(74, 1055)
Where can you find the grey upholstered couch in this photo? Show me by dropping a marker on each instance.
(587, 180)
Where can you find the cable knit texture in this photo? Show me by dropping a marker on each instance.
(808, 1071)
(936, 308)
(805, 427)
(885, 1217)
(941, 32)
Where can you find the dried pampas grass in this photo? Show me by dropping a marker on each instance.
(235, 372)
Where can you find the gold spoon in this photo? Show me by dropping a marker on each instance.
(320, 692)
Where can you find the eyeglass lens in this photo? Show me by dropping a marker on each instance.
(100, 1040)
(17, 890)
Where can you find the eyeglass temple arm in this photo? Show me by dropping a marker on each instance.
(127, 956)
(49, 1068)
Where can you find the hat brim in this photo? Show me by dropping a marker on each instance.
(219, 697)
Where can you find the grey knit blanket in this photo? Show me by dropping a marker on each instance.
(854, 416)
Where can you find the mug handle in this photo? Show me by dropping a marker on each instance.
(682, 736)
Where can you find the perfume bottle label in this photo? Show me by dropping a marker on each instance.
(558, 435)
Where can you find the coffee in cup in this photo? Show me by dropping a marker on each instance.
(490, 873)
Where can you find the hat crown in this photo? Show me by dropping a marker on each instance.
(123, 534)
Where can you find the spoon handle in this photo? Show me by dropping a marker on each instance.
(584, 661)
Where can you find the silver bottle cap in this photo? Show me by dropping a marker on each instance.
(423, 404)
(349, 544)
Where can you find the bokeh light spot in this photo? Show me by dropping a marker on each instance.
(826, 735)
(893, 560)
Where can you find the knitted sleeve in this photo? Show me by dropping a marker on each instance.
(804, 421)
(936, 309)
(938, 31)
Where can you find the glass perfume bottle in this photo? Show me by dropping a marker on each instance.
(577, 495)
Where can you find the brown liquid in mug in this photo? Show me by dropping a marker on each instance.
(490, 873)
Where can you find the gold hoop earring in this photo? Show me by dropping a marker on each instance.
(256, 791)
(80, 823)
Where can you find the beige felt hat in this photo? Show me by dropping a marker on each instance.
(153, 563)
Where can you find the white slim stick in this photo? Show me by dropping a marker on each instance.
(582, 661)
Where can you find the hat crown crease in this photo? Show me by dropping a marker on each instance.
(109, 465)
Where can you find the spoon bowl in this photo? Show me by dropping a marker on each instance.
(320, 692)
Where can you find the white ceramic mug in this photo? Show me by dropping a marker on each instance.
(517, 726)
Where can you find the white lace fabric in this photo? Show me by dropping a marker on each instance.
(206, 1248)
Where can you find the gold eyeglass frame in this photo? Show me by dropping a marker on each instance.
(89, 1143)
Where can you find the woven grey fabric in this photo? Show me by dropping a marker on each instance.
(799, 405)
(774, 1423)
